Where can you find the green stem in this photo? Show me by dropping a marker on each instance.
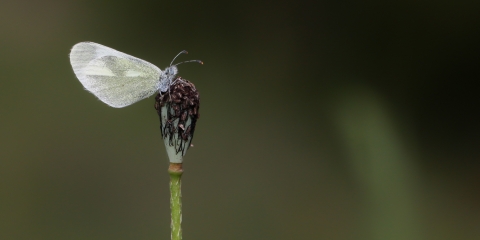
(175, 170)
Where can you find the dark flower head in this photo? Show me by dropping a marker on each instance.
(178, 111)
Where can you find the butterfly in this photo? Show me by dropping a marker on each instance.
(119, 79)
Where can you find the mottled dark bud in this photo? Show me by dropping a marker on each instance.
(178, 111)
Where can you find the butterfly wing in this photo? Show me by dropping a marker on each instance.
(116, 78)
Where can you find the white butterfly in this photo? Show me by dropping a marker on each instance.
(116, 78)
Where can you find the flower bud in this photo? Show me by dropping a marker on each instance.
(178, 111)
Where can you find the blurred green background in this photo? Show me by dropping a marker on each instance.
(319, 120)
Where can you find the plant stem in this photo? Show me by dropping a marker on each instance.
(175, 170)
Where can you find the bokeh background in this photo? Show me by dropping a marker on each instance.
(319, 120)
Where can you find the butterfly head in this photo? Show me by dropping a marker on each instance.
(171, 71)
(168, 76)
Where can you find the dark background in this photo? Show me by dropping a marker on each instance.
(319, 120)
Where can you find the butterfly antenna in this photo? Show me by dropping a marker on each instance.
(183, 51)
(189, 61)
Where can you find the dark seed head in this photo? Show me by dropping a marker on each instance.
(180, 104)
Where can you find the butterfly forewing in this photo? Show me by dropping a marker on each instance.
(116, 78)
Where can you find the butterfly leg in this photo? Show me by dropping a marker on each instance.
(169, 85)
